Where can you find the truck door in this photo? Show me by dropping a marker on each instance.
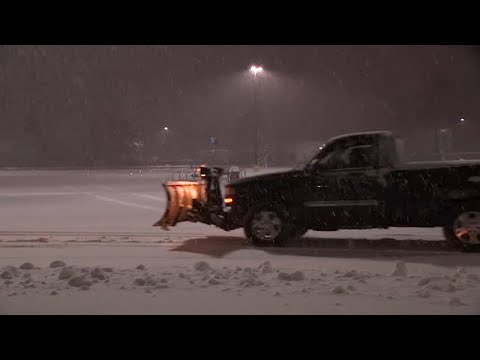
(348, 189)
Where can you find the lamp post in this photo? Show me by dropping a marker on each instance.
(458, 132)
(256, 71)
(165, 133)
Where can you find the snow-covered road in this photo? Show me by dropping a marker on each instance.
(103, 219)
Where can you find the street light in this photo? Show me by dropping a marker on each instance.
(166, 133)
(255, 70)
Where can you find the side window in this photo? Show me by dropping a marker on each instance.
(350, 157)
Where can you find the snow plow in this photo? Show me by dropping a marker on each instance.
(194, 201)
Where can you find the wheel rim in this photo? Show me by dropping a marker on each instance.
(266, 225)
(467, 227)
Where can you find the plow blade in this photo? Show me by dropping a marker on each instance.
(199, 201)
(181, 196)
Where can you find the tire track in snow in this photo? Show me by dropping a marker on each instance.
(125, 203)
(27, 194)
(151, 197)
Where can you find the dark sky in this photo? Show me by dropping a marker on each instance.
(77, 99)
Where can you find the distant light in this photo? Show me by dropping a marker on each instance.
(256, 69)
(165, 128)
(462, 119)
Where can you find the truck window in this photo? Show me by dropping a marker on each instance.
(352, 157)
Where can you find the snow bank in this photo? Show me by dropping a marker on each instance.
(320, 290)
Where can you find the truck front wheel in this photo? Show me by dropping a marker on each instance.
(464, 232)
(268, 226)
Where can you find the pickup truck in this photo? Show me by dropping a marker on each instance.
(355, 181)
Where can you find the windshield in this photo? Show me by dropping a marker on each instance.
(309, 164)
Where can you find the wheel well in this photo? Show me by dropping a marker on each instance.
(454, 208)
(277, 206)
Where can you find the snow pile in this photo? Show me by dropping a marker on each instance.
(202, 266)
(250, 282)
(214, 282)
(455, 301)
(98, 273)
(428, 279)
(266, 267)
(7, 275)
(139, 282)
(79, 281)
(295, 276)
(257, 280)
(351, 273)
(437, 283)
(424, 293)
(66, 273)
(473, 277)
(27, 266)
(12, 270)
(400, 269)
(57, 264)
(339, 290)
(355, 275)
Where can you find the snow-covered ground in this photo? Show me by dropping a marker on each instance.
(99, 224)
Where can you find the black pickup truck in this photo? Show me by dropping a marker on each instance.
(355, 181)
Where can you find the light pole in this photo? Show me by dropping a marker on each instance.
(458, 131)
(166, 132)
(255, 70)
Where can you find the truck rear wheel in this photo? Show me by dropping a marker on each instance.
(464, 232)
(268, 226)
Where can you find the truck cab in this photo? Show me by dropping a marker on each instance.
(357, 151)
(342, 186)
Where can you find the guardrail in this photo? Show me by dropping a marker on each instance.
(185, 174)
(153, 167)
(190, 174)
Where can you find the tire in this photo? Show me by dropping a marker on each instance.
(463, 230)
(451, 239)
(269, 226)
